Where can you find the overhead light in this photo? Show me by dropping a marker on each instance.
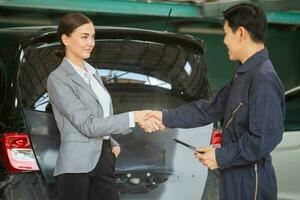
(187, 29)
(25, 20)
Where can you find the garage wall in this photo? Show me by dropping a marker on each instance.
(284, 50)
(284, 47)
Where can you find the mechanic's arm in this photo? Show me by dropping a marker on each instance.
(197, 113)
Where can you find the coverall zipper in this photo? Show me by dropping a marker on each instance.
(234, 111)
(256, 181)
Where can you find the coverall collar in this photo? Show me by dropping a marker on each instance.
(254, 60)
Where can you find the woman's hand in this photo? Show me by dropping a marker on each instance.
(116, 150)
(149, 120)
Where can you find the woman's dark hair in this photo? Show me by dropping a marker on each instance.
(68, 23)
(252, 18)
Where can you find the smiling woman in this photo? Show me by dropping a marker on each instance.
(83, 111)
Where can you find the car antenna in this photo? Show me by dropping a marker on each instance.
(167, 22)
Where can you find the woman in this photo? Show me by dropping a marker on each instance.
(83, 112)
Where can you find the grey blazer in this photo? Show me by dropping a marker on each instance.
(79, 117)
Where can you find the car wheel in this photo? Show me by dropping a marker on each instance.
(26, 186)
(211, 190)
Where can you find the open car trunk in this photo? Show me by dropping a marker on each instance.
(141, 70)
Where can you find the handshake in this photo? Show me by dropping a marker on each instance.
(149, 120)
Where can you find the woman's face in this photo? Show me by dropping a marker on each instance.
(80, 43)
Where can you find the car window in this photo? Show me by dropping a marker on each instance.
(167, 75)
(2, 84)
(292, 117)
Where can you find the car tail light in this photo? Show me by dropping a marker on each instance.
(16, 152)
(216, 137)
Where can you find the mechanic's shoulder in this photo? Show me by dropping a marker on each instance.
(265, 72)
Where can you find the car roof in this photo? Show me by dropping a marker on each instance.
(291, 93)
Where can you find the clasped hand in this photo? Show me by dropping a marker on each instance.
(149, 120)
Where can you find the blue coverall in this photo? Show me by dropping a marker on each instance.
(252, 108)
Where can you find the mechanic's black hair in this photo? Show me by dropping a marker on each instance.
(249, 16)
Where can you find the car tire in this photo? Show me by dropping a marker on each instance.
(211, 189)
(26, 186)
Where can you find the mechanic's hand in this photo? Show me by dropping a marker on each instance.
(207, 157)
(148, 121)
(153, 121)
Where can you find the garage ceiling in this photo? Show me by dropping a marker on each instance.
(46, 12)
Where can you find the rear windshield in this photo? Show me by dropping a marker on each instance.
(165, 75)
(139, 75)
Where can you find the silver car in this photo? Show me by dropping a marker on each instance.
(287, 153)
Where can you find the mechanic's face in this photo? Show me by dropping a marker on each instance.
(232, 42)
(80, 43)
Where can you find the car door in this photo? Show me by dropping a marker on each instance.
(2, 84)
(286, 155)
